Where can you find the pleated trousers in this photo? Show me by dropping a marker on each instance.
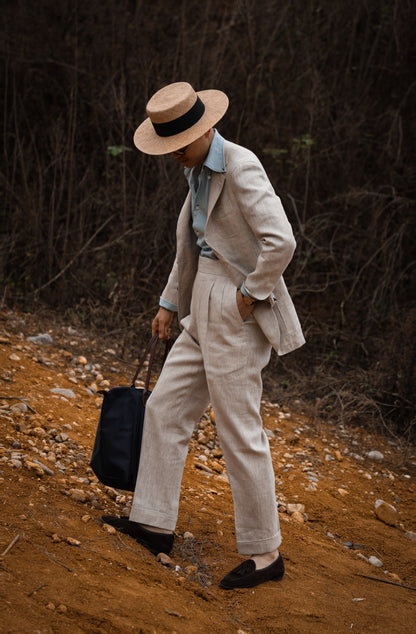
(217, 359)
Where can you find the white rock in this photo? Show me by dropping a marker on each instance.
(374, 561)
(386, 512)
(62, 437)
(375, 455)
(63, 392)
(78, 495)
(295, 508)
(18, 408)
(410, 535)
(44, 339)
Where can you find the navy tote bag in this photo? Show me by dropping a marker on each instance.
(116, 453)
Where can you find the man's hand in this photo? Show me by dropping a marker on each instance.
(161, 323)
(242, 307)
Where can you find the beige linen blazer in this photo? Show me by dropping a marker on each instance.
(249, 232)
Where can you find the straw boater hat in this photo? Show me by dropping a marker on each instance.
(177, 116)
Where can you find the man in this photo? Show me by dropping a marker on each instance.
(233, 244)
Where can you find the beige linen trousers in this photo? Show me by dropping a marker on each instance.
(217, 359)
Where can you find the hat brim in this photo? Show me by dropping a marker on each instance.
(147, 141)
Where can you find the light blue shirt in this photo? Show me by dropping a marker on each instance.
(199, 181)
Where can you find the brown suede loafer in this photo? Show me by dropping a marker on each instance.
(155, 542)
(246, 575)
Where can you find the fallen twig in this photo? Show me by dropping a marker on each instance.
(10, 546)
(392, 583)
(7, 417)
(57, 562)
(18, 398)
(180, 616)
(36, 589)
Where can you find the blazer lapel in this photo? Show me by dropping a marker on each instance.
(184, 227)
(217, 183)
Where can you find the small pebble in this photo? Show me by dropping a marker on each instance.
(109, 529)
(191, 570)
(298, 517)
(165, 560)
(188, 536)
(78, 495)
(296, 507)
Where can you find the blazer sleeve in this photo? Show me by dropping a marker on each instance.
(170, 292)
(264, 213)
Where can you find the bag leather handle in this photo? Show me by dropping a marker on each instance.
(151, 347)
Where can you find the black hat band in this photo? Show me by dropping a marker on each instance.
(182, 123)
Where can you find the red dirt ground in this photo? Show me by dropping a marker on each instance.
(108, 583)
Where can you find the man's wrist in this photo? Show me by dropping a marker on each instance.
(163, 303)
(248, 299)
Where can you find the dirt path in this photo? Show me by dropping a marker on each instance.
(66, 573)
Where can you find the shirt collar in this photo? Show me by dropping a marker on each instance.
(215, 159)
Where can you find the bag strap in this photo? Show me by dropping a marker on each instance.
(151, 347)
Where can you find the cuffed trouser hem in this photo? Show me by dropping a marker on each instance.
(152, 518)
(261, 546)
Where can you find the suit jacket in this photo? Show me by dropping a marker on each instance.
(249, 232)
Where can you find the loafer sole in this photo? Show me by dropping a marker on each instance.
(154, 542)
(252, 584)
(244, 576)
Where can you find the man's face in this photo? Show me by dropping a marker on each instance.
(196, 151)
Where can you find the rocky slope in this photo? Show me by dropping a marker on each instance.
(346, 500)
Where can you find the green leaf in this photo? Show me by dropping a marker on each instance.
(116, 150)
